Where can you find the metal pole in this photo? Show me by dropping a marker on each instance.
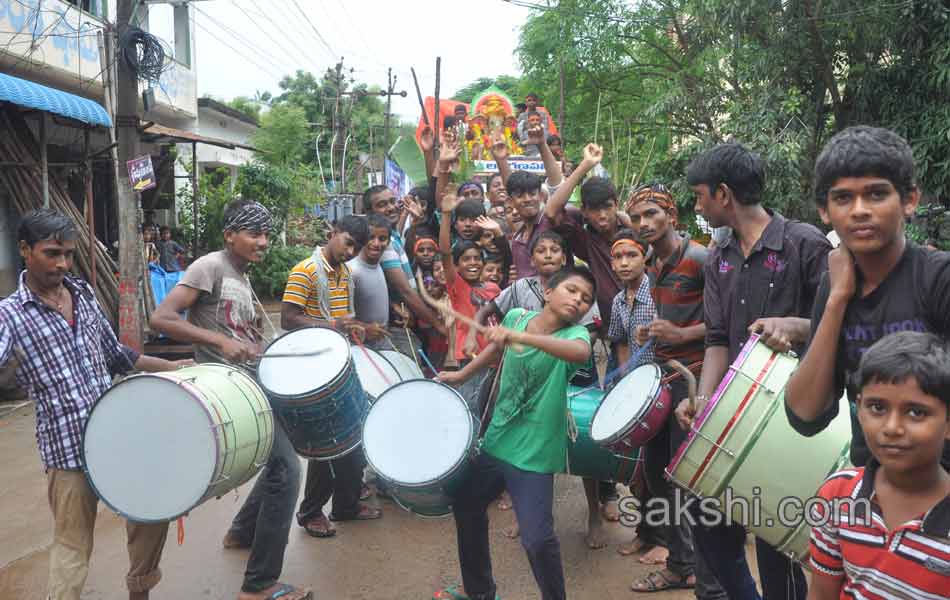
(44, 160)
(90, 216)
(389, 102)
(194, 199)
(438, 119)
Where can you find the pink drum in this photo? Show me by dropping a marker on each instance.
(634, 411)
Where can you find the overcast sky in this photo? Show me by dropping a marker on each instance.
(475, 38)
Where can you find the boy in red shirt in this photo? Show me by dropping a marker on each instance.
(884, 529)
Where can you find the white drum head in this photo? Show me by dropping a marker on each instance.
(298, 375)
(407, 368)
(417, 431)
(372, 381)
(149, 448)
(626, 402)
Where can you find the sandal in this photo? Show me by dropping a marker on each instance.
(658, 581)
(319, 527)
(288, 592)
(365, 513)
(365, 492)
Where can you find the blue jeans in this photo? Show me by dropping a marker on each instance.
(722, 548)
(265, 519)
(532, 496)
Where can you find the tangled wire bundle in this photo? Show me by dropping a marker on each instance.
(144, 53)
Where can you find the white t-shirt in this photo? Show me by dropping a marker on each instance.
(370, 293)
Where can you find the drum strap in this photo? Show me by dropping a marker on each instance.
(489, 403)
(323, 285)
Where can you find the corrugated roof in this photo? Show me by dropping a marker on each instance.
(40, 97)
(158, 133)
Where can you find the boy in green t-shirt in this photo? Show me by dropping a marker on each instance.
(526, 440)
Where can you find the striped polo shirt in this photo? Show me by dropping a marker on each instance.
(302, 288)
(911, 561)
(678, 295)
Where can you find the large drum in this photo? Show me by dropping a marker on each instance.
(408, 369)
(634, 411)
(157, 445)
(375, 372)
(587, 458)
(309, 376)
(418, 438)
(742, 443)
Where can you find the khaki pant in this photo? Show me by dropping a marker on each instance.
(74, 517)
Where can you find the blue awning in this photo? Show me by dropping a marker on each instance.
(33, 95)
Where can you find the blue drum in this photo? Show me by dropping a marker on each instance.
(309, 378)
(419, 437)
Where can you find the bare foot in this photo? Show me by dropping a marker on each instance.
(610, 510)
(287, 592)
(504, 503)
(656, 555)
(513, 532)
(632, 547)
(595, 532)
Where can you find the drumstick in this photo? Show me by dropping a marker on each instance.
(690, 381)
(294, 354)
(454, 313)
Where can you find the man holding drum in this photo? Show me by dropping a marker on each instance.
(320, 292)
(762, 279)
(527, 440)
(675, 270)
(67, 355)
(222, 323)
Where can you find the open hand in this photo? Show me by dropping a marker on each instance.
(449, 201)
(449, 153)
(414, 208)
(427, 139)
(499, 147)
(486, 224)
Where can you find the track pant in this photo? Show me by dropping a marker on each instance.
(532, 496)
(341, 478)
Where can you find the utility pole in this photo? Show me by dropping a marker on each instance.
(389, 104)
(131, 265)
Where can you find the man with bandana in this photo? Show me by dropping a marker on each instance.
(224, 327)
(675, 269)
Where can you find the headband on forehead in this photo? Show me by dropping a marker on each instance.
(661, 198)
(253, 216)
(421, 241)
(623, 241)
(469, 185)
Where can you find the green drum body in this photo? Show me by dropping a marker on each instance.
(419, 438)
(586, 458)
(742, 447)
(157, 445)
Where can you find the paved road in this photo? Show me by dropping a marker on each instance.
(400, 557)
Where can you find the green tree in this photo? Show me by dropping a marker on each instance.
(284, 136)
(507, 83)
(246, 105)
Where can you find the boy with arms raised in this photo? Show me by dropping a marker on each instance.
(878, 282)
(526, 441)
(885, 528)
(320, 291)
(222, 323)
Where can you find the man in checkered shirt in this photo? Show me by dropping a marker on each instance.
(67, 355)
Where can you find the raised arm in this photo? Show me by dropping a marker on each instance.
(426, 144)
(552, 168)
(573, 351)
(499, 151)
(448, 157)
(593, 154)
(397, 281)
(447, 205)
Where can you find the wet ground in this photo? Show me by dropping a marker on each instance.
(400, 557)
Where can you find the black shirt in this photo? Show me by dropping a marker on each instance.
(778, 279)
(914, 296)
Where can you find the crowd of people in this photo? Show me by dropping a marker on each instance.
(511, 292)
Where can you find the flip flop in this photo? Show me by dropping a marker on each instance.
(452, 593)
(366, 513)
(286, 589)
(319, 527)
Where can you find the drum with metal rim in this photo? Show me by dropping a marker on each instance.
(419, 437)
(585, 457)
(742, 444)
(633, 411)
(375, 372)
(157, 445)
(309, 377)
(408, 369)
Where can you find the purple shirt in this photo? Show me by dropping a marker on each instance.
(593, 249)
(521, 246)
(63, 368)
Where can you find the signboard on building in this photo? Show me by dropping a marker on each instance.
(141, 173)
(396, 179)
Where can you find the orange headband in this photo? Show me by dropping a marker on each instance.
(420, 241)
(662, 199)
(623, 241)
